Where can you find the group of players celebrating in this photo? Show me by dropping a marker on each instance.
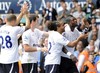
(58, 59)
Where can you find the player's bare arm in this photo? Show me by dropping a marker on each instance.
(74, 43)
(27, 26)
(34, 49)
(23, 11)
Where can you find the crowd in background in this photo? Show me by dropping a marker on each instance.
(88, 21)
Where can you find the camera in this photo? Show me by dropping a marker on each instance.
(86, 30)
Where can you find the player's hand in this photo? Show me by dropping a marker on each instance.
(24, 9)
(27, 14)
(44, 49)
(66, 25)
(74, 59)
(83, 36)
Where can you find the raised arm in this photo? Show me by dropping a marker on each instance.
(23, 11)
(74, 43)
(27, 26)
(19, 18)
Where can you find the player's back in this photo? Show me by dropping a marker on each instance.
(9, 43)
(55, 44)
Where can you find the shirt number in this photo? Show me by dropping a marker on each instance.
(50, 46)
(7, 41)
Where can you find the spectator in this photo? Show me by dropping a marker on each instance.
(88, 8)
(97, 57)
(43, 12)
(78, 21)
(74, 8)
(93, 34)
(93, 21)
(98, 36)
(89, 66)
(97, 61)
(84, 56)
(83, 24)
(60, 8)
(91, 43)
(79, 49)
(79, 12)
(97, 13)
(64, 13)
(39, 17)
(51, 13)
(97, 16)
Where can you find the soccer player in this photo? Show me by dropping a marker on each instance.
(30, 40)
(9, 42)
(71, 33)
(55, 44)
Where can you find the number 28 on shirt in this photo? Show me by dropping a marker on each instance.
(5, 42)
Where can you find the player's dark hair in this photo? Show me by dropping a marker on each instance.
(11, 17)
(33, 18)
(52, 26)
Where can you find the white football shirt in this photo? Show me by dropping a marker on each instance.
(31, 38)
(55, 43)
(9, 42)
(71, 36)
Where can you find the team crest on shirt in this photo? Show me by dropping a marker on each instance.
(21, 2)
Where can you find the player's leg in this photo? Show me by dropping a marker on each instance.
(64, 65)
(2, 68)
(42, 63)
(56, 69)
(12, 68)
(29, 68)
(67, 66)
(32, 68)
(25, 68)
(72, 67)
(35, 68)
(16, 68)
(52, 69)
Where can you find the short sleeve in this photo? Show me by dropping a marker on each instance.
(64, 34)
(39, 33)
(25, 38)
(20, 30)
(62, 40)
